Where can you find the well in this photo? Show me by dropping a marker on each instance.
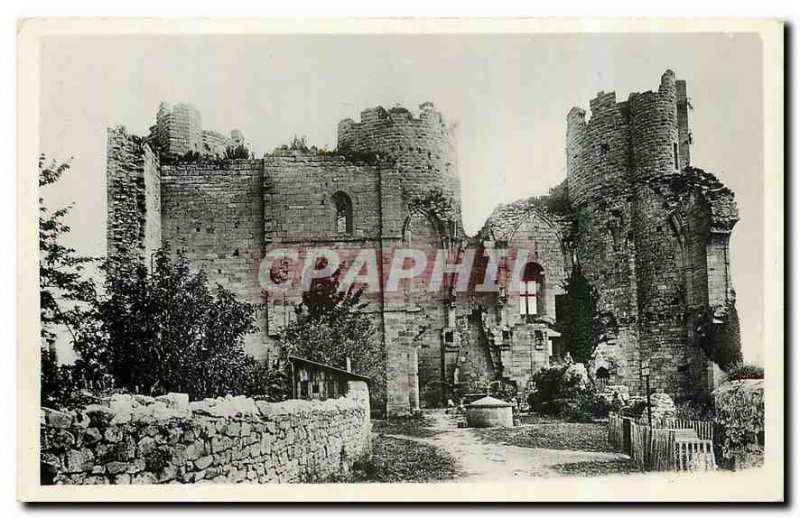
(489, 412)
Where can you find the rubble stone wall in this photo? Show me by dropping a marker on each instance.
(134, 196)
(142, 440)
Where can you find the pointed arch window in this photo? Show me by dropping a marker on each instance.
(344, 213)
(531, 290)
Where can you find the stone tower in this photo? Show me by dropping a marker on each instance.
(628, 241)
(422, 147)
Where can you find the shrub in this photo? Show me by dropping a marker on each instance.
(266, 382)
(558, 395)
(237, 152)
(163, 329)
(745, 372)
(635, 409)
(740, 417)
(549, 388)
(502, 389)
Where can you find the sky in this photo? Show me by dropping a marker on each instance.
(506, 96)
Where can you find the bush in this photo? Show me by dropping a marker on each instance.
(266, 382)
(745, 372)
(740, 418)
(557, 395)
(551, 390)
(635, 409)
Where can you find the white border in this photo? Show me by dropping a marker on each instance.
(766, 484)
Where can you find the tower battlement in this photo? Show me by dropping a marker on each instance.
(627, 141)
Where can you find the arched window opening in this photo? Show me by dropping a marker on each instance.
(344, 213)
(531, 291)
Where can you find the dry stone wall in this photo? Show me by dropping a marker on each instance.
(143, 440)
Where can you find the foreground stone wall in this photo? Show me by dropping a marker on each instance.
(143, 440)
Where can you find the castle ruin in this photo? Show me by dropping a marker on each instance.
(649, 231)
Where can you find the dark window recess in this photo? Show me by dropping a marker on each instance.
(448, 337)
(561, 300)
(304, 390)
(604, 149)
(236, 253)
(506, 334)
(344, 213)
(675, 154)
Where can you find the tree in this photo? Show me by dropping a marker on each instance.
(578, 327)
(62, 284)
(64, 291)
(164, 331)
(331, 327)
(237, 152)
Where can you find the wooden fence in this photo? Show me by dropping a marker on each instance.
(670, 445)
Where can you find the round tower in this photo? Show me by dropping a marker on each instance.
(421, 146)
(660, 280)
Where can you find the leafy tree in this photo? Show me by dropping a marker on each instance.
(62, 284)
(331, 327)
(164, 331)
(64, 291)
(299, 144)
(578, 324)
(237, 152)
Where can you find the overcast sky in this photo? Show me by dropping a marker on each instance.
(506, 95)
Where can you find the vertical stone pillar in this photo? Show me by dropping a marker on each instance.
(397, 378)
(413, 379)
(684, 138)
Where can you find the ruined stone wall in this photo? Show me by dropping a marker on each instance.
(142, 440)
(178, 128)
(215, 143)
(424, 157)
(540, 239)
(213, 212)
(133, 229)
(300, 214)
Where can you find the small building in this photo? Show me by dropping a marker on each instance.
(313, 380)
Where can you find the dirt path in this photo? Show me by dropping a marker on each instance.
(480, 461)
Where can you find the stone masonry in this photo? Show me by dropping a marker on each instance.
(649, 231)
(143, 440)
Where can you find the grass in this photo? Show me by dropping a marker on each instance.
(553, 436)
(401, 460)
(595, 468)
(415, 426)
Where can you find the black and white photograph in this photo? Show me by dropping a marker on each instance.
(402, 256)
